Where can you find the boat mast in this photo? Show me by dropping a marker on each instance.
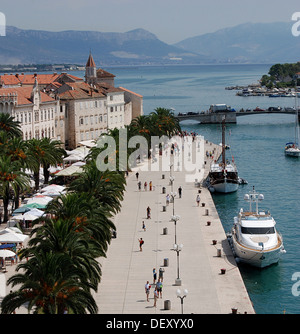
(223, 141)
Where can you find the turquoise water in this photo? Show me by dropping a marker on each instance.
(257, 144)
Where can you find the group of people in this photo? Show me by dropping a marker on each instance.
(157, 292)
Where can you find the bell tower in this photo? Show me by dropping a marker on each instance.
(90, 71)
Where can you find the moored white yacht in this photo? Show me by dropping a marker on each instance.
(254, 238)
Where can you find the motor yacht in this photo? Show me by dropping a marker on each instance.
(254, 238)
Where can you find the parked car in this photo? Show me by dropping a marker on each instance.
(274, 108)
(258, 109)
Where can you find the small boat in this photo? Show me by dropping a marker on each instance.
(292, 149)
(254, 238)
(223, 176)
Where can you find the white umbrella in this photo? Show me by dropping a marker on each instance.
(52, 187)
(13, 229)
(41, 199)
(12, 237)
(18, 217)
(6, 253)
(29, 216)
(33, 212)
(70, 171)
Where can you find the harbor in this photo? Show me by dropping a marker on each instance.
(205, 265)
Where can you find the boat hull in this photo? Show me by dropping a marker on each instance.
(257, 258)
(293, 153)
(225, 187)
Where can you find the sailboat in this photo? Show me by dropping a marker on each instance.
(292, 148)
(223, 177)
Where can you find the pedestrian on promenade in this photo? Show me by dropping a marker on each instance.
(139, 185)
(180, 191)
(155, 296)
(161, 274)
(137, 175)
(198, 199)
(147, 290)
(144, 226)
(148, 213)
(159, 288)
(154, 275)
(145, 186)
(150, 185)
(141, 242)
(167, 199)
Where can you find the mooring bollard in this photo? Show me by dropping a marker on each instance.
(163, 176)
(219, 252)
(206, 212)
(163, 190)
(166, 262)
(165, 231)
(164, 208)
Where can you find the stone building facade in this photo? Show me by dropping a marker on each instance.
(34, 109)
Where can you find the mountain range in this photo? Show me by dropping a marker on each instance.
(246, 43)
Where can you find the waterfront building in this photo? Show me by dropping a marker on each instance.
(90, 108)
(33, 108)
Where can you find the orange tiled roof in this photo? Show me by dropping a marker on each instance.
(28, 79)
(24, 95)
(104, 74)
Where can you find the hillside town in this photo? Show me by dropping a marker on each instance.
(68, 108)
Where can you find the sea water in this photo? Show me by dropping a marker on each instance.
(257, 145)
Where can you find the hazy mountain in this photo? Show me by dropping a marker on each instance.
(136, 46)
(247, 43)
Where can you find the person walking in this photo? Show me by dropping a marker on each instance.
(140, 185)
(137, 175)
(161, 274)
(154, 275)
(150, 185)
(159, 288)
(198, 199)
(145, 186)
(148, 213)
(147, 290)
(141, 242)
(180, 191)
(167, 199)
(155, 296)
(144, 226)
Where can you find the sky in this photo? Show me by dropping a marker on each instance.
(170, 20)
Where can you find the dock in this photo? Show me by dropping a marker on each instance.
(205, 266)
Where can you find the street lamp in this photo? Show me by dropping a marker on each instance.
(173, 195)
(178, 293)
(177, 248)
(175, 218)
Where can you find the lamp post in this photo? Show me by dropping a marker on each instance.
(175, 218)
(178, 293)
(173, 195)
(177, 248)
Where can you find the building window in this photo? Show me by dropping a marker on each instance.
(81, 121)
(111, 98)
(111, 109)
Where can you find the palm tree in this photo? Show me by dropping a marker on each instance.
(12, 179)
(55, 151)
(166, 123)
(50, 284)
(107, 187)
(10, 126)
(43, 152)
(82, 213)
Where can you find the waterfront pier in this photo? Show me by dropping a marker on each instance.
(205, 265)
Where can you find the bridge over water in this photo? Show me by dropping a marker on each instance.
(230, 116)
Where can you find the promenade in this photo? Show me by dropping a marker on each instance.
(126, 269)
